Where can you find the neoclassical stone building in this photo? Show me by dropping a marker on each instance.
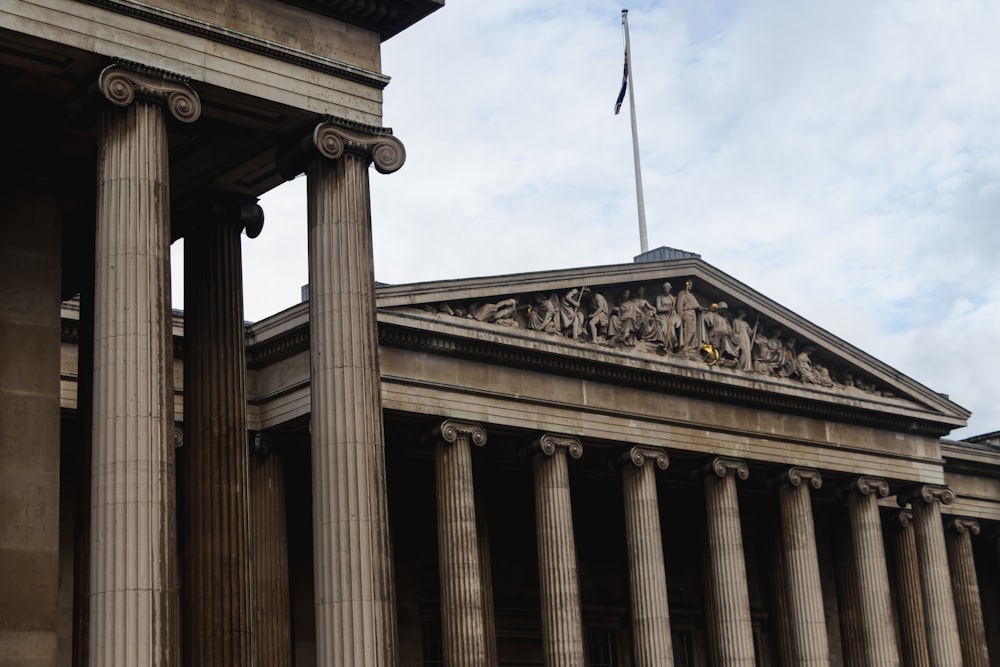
(639, 464)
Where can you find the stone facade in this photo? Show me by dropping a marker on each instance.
(639, 464)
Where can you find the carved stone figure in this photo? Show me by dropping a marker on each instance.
(767, 352)
(718, 333)
(501, 312)
(542, 314)
(622, 324)
(742, 338)
(570, 315)
(669, 322)
(692, 334)
(597, 322)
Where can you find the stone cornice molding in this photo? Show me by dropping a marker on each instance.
(451, 430)
(929, 493)
(550, 442)
(964, 525)
(796, 475)
(722, 466)
(121, 83)
(639, 454)
(332, 138)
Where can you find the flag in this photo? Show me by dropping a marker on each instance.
(621, 93)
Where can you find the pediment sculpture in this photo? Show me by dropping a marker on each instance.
(682, 324)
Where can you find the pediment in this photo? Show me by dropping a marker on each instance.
(681, 318)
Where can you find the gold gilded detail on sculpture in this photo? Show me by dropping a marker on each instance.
(121, 84)
(639, 454)
(550, 442)
(451, 430)
(669, 325)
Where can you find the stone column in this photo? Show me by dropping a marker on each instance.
(798, 542)
(562, 613)
(871, 572)
(462, 631)
(216, 509)
(272, 618)
(486, 570)
(30, 328)
(939, 605)
(848, 602)
(355, 614)
(965, 586)
(651, 641)
(909, 597)
(733, 633)
(133, 600)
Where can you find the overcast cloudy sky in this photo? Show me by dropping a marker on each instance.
(842, 158)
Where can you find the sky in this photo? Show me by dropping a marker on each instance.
(842, 158)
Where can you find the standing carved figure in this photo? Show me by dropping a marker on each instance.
(570, 315)
(692, 335)
(668, 319)
(621, 327)
(742, 335)
(718, 333)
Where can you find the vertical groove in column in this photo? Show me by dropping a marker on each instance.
(872, 573)
(463, 639)
(133, 600)
(848, 602)
(779, 596)
(217, 549)
(486, 579)
(909, 598)
(805, 593)
(939, 605)
(731, 603)
(355, 618)
(965, 585)
(562, 615)
(650, 612)
(272, 620)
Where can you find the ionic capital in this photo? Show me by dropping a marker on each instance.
(928, 493)
(795, 476)
(905, 518)
(722, 466)
(333, 138)
(451, 430)
(866, 486)
(550, 442)
(962, 525)
(121, 84)
(639, 454)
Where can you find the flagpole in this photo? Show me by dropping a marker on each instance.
(643, 244)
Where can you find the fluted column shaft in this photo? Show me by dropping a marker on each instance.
(133, 599)
(939, 605)
(805, 592)
(651, 641)
(272, 619)
(871, 571)
(965, 586)
(355, 615)
(909, 597)
(462, 631)
(562, 614)
(848, 601)
(217, 618)
(727, 566)
(486, 577)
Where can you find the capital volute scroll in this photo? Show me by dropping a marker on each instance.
(332, 138)
(905, 518)
(964, 525)
(928, 493)
(721, 466)
(796, 475)
(639, 454)
(451, 430)
(867, 486)
(122, 83)
(550, 442)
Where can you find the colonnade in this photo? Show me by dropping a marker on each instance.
(229, 564)
(931, 620)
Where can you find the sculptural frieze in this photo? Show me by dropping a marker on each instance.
(671, 325)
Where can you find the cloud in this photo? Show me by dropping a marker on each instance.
(840, 158)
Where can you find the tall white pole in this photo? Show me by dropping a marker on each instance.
(643, 244)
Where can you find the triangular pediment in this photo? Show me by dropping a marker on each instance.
(682, 318)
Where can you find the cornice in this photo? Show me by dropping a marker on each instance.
(242, 40)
